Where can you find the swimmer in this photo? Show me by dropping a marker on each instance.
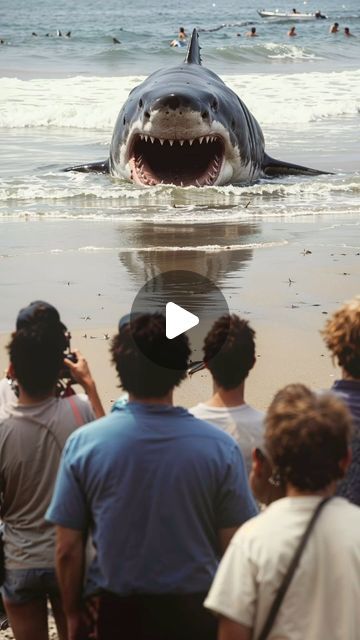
(182, 35)
(116, 41)
(334, 28)
(292, 32)
(294, 11)
(252, 33)
(347, 33)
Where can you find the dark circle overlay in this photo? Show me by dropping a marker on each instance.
(189, 290)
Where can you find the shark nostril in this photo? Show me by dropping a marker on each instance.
(147, 115)
(205, 115)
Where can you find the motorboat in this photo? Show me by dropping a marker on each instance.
(291, 15)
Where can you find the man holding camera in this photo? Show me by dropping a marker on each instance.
(34, 426)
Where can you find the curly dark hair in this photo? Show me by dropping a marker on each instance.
(36, 350)
(148, 363)
(342, 336)
(229, 350)
(307, 436)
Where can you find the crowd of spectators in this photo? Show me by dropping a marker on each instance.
(155, 522)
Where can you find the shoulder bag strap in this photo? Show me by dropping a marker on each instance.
(76, 411)
(290, 572)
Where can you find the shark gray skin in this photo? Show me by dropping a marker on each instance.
(184, 126)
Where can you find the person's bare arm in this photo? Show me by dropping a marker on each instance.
(230, 630)
(70, 564)
(82, 375)
(224, 537)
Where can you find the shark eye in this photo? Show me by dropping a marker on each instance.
(214, 105)
(140, 104)
(124, 120)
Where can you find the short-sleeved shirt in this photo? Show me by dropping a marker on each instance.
(157, 484)
(7, 394)
(323, 598)
(244, 423)
(31, 441)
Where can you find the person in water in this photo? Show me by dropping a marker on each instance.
(181, 39)
(292, 32)
(347, 33)
(334, 28)
(252, 33)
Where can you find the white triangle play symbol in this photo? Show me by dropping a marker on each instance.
(178, 320)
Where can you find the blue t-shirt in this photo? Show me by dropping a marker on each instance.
(154, 484)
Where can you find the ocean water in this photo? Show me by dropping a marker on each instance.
(60, 97)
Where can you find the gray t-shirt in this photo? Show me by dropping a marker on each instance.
(31, 441)
(244, 423)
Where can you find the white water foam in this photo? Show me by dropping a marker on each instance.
(94, 103)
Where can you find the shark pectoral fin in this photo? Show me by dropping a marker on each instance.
(95, 167)
(272, 167)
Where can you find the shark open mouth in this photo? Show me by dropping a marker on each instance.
(195, 161)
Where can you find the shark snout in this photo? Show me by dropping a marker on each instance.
(182, 103)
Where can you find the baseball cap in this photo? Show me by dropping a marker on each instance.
(38, 310)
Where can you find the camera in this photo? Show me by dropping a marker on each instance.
(65, 371)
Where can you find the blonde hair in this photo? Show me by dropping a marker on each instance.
(342, 336)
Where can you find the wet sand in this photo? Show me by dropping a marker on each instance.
(284, 277)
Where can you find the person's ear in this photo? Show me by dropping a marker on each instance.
(257, 462)
(345, 462)
(10, 373)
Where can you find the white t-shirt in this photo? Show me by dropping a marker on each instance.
(322, 602)
(6, 393)
(243, 423)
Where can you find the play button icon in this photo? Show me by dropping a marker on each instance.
(189, 302)
(178, 320)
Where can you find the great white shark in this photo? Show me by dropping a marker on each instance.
(184, 126)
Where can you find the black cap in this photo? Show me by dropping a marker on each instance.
(36, 310)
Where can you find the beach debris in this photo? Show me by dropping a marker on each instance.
(85, 335)
(247, 204)
(85, 317)
(345, 273)
(294, 306)
(106, 336)
(324, 313)
(291, 282)
(306, 252)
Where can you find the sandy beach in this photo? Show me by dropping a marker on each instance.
(286, 291)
